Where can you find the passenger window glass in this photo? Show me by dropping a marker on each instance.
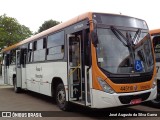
(29, 55)
(55, 46)
(40, 50)
(40, 44)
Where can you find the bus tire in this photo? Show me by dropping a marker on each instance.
(16, 89)
(61, 98)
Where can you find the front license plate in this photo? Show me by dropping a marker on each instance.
(135, 101)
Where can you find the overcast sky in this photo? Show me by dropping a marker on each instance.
(32, 13)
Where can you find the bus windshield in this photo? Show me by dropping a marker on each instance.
(124, 51)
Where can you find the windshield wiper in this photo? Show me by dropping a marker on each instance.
(115, 31)
(136, 36)
(128, 43)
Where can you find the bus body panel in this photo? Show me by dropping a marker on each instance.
(6, 75)
(104, 100)
(24, 81)
(11, 73)
(40, 75)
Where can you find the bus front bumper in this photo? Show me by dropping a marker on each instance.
(102, 99)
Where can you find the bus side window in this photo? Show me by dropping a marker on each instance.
(44, 43)
(74, 50)
(23, 56)
(7, 60)
(13, 57)
(55, 46)
(30, 52)
(35, 46)
(39, 50)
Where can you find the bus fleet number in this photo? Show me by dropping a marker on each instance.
(126, 88)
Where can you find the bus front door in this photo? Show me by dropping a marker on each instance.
(74, 68)
(77, 71)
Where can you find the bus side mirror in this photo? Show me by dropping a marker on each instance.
(94, 38)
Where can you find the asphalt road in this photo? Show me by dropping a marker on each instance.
(36, 103)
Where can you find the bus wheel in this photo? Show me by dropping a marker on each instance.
(16, 89)
(61, 97)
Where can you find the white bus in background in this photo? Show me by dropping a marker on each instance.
(156, 44)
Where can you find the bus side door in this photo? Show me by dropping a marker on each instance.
(6, 68)
(79, 72)
(21, 68)
(18, 69)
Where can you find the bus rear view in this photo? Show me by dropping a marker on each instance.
(122, 60)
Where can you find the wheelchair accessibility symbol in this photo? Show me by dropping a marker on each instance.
(138, 66)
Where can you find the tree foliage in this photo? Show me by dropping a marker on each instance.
(11, 31)
(47, 24)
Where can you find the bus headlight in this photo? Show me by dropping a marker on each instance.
(105, 86)
(154, 82)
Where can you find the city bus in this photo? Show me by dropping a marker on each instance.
(155, 34)
(98, 60)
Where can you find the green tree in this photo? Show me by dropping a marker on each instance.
(47, 24)
(11, 31)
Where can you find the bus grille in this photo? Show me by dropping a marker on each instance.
(127, 80)
(127, 98)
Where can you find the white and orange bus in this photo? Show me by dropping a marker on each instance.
(156, 44)
(97, 60)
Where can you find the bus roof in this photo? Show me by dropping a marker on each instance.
(50, 30)
(154, 32)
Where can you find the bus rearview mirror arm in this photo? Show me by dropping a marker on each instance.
(94, 38)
